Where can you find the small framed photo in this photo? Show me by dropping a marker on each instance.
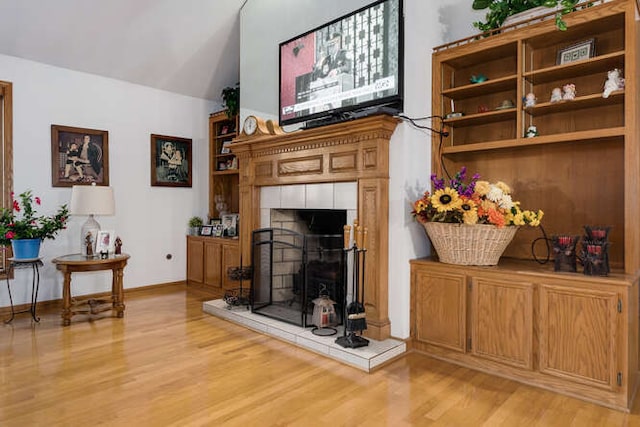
(230, 225)
(170, 161)
(583, 50)
(79, 156)
(217, 230)
(215, 221)
(224, 130)
(206, 230)
(225, 147)
(105, 241)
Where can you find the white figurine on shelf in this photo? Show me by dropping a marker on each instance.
(614, 82)
(531, 132)
(556, 94)
(569, 92)
(529, 100)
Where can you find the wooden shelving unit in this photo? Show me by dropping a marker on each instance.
(568, 332)
(223, 166)
(208, 258)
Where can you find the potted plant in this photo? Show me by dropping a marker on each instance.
(195, 222)
(471, 223)
(24, 230)
(499, 10)
(231, 100)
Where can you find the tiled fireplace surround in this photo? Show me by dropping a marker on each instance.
(279, 205)
(340, 195)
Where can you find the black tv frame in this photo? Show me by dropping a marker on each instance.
(388, 105)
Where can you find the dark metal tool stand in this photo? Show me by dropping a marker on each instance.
(35, 264)
(350, 339)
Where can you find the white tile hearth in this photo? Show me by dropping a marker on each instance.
(364, 358)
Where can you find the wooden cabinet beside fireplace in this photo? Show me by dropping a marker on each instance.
(208, 259)
(567, 333)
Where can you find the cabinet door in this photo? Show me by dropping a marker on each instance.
(212, 264)
(440, 307)
(578, 334)
(195, 266)
(502, 321)
(230, 258)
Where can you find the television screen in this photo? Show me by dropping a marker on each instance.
(350, 64)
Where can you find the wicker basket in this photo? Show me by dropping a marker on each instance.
(463, 244)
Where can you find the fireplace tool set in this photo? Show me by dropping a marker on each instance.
(238, 296)
(355, 316)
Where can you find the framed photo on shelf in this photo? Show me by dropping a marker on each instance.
(206, 230)
(225, 147)
(170, 161)
(224, 130)
(217, 230)
(105, 241)
(576, 52)
(230, 225)
(79, 156)
(215, 221)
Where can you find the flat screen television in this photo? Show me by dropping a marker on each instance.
(347, 68)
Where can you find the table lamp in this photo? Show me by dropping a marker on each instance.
(91, 200)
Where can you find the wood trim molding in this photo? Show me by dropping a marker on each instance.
(6, 145)
(354, 151)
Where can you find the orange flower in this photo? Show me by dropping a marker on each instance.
(495, 217)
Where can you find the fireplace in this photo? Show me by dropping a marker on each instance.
(296, 260)
(351, 153)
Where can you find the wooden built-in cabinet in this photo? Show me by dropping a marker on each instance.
(208, 259)
(563, 331)
(573, 334)
(582, 167)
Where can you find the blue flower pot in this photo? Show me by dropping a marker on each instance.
(26, 248)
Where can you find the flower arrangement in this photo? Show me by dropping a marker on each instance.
(21, 221)
(473, 202)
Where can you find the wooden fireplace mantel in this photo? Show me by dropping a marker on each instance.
(353, 151)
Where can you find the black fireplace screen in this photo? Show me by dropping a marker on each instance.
(290, 270)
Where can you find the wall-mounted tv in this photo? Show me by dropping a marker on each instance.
(346, 68)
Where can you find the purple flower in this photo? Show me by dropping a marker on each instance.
(438, 184)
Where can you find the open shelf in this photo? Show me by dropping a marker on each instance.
(471, 90)
(580, 102)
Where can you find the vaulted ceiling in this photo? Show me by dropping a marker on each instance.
(189, 47)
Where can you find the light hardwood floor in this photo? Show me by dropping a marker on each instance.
(169, 364)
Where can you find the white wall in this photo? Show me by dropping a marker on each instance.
(151, 221)
(263, 25)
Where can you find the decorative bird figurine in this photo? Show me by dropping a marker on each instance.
(478, 78)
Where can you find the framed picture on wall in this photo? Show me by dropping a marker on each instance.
(79, 156)
(170, 161)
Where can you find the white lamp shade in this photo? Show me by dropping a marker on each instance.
(92, 200)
